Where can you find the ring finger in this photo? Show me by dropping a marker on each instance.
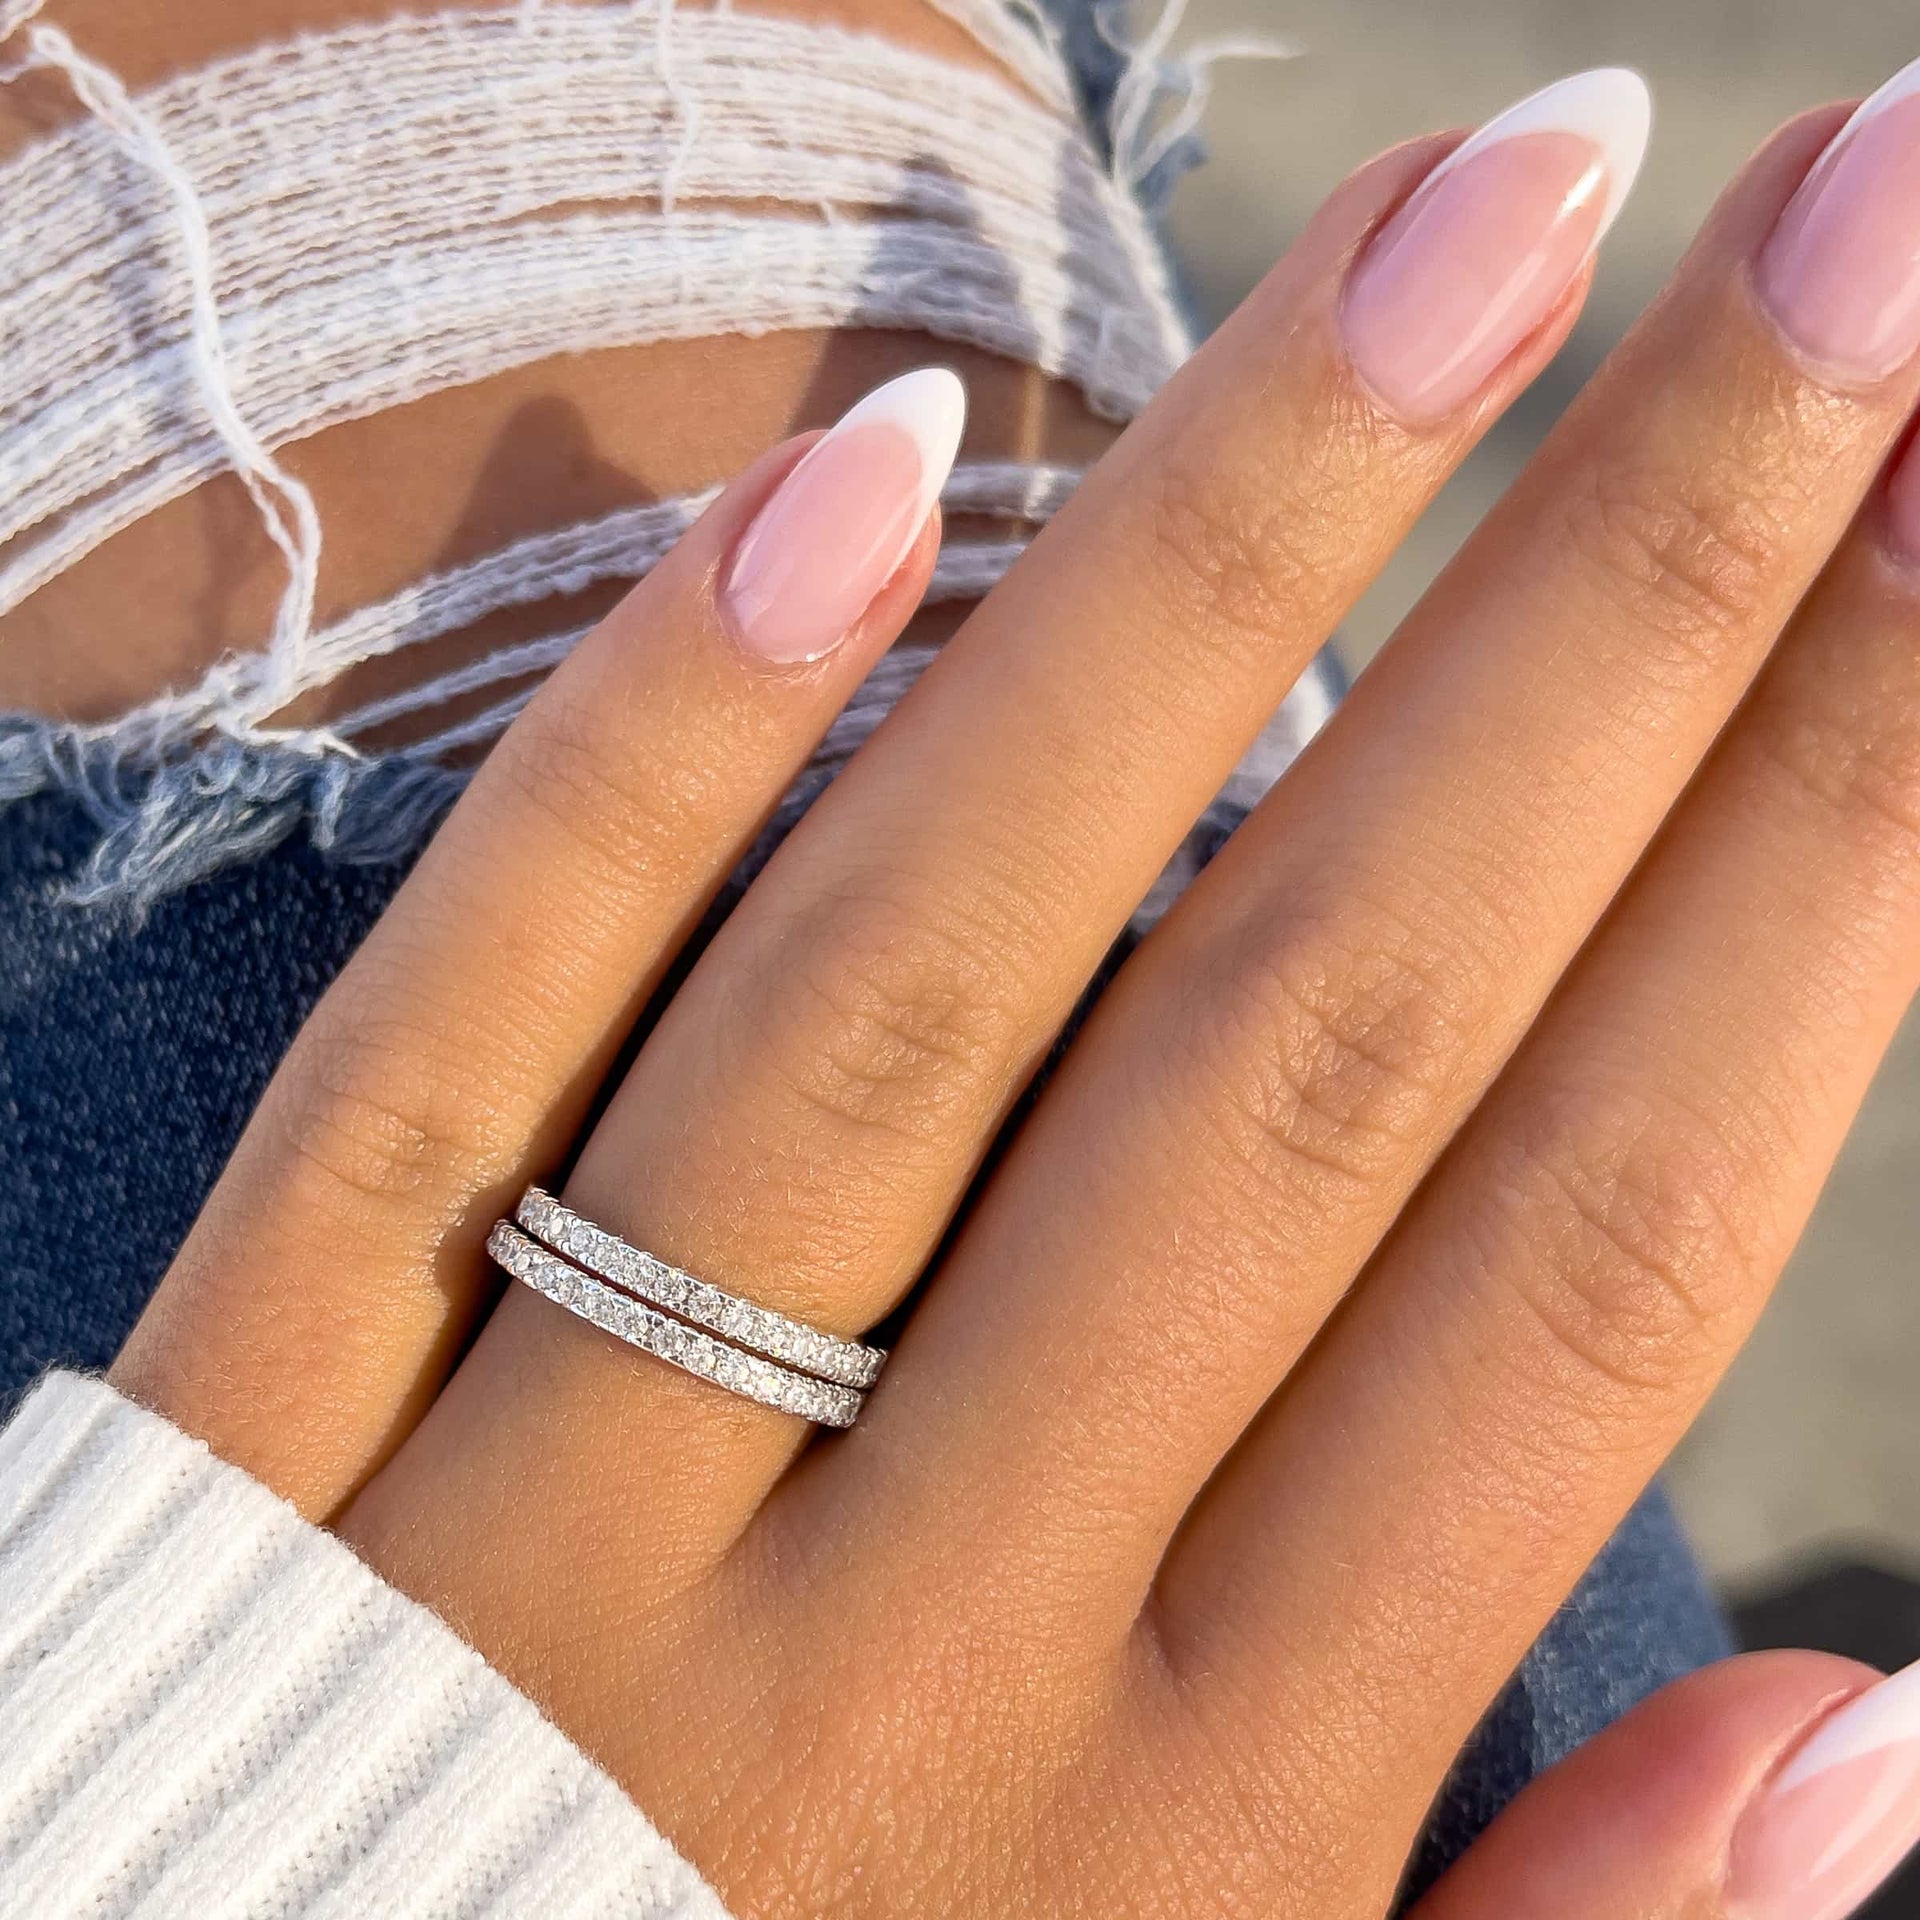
(801, 1124)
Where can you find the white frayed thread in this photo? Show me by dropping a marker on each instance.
(420, 203)
(1161, 96)
(14, 14)
(965, 571)
(1021, 38)
(175, 805)
(681, 93)
(235, 801)
(625, 545)
(552, 564)
(357, 218)
(286, 506)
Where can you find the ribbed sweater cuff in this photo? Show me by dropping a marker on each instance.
(210, 1708)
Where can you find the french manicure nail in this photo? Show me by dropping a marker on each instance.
(1839, 1817)
(1491, 241)
(1842, 270)
(838, 526)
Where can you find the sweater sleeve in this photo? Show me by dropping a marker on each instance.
(210, 1708)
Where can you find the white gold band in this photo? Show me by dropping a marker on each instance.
(668, 1339)
(758, 1329)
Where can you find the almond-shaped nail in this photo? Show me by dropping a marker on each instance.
(838, 526)
(1841, 271)
(1839, 1816)
(1491, 242)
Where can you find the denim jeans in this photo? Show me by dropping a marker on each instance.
(131, 1055)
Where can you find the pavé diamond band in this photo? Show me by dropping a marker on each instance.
(669, 1339)
(758, 1329)
(597, 1298)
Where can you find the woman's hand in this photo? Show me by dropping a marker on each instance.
(1377, 1238)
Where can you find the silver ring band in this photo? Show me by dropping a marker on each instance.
(758, 1329)
(673, 1341)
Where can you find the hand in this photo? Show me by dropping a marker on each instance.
(1389, 1220)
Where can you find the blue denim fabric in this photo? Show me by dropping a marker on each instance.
(1640, 1618)
(131, 1056)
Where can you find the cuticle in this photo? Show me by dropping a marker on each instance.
(1777, 1763)
(1830, 379)
(1831, 1704)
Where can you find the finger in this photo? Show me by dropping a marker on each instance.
(1701, 1805)
(1567, 1287)
(1273, 1074)
(802, 1123)
(336, 1269)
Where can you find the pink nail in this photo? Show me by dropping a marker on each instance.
(1488, 246)
(839, 525)
(1842, 270)
(1842, 1814)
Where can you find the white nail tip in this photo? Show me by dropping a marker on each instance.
(930, 405)
(1884, 1716)
(1902, 86)
(1611, 106)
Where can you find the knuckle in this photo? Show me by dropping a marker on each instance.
(1690, 556)
(1233, 554)
(376, 1117)
(573, 762)
(1635, 1252)
(1858, 756)
(904, 1027)
(1335, 1051)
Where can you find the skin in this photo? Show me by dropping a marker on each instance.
(459, 473)
(1353, 1274)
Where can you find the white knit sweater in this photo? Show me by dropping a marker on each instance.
(209, 1708)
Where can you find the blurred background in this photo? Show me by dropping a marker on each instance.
(1801, 1486)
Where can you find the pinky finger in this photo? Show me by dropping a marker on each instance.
(1780, 1786)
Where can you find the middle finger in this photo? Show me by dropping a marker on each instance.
(1273, 1074)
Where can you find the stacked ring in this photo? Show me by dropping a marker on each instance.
(691, 1324)
(758, 1329)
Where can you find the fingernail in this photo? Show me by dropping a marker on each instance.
(838, 526)
(1842, 270)
(1491, 241)
(1839, 1817)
